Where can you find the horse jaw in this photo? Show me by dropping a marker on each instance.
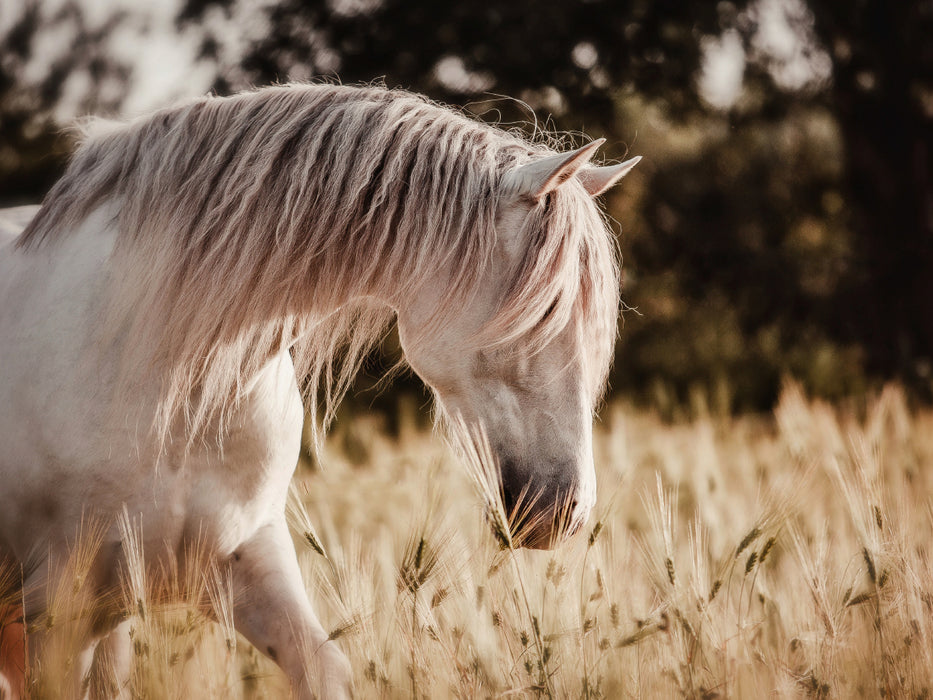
(539, 446)
(534, 415)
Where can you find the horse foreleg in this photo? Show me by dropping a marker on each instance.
(113, 659)
(12, 655)
(272, 611)
(57, 672)
(12, 630)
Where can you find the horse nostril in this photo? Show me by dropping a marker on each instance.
(508, 500)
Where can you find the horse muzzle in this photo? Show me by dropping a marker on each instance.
(542, 512)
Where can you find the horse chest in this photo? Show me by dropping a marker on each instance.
(69, 454)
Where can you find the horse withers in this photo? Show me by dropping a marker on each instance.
(194, 266)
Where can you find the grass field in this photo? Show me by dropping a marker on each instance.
(783, 556)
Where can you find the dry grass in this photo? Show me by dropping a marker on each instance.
(786, 556)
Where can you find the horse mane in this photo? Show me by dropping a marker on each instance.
(244, 224)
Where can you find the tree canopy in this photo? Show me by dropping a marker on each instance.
(787, 229)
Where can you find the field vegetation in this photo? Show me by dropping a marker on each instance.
(785, 555)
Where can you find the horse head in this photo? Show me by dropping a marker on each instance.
(522, 363)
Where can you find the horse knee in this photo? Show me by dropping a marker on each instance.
(110, 670)
(336, 672)
(273, 612)
(12, 659)
(6, 688)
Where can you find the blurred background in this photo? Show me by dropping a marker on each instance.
(780, 224)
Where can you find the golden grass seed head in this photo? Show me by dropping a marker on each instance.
(687, 627)
(140, 648)
(669, 565)
(343, 629)
(500, 529)
(870, 564)
(717, 584)
(594, 533)
(419, 554)
(859, 599)
(418, 563)
(439, 596)
(747, 540)
(814, 687)
(766, 550)
(314, 542)
(637, 636)
(750, 564)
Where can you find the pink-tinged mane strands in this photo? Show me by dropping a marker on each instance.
(245, 223)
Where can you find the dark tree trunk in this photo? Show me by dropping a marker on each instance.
(882, 97)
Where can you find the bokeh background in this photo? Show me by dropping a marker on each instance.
(780, 224)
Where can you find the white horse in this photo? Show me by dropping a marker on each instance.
(156, 310)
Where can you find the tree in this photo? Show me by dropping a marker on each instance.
(33, 84)
(800, 219)
(457, 51)
(572, 61)
(882, 97)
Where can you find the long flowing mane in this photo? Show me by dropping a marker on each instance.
(245, 224)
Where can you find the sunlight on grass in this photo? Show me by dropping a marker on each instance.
(726, 558)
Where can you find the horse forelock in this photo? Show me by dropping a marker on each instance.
(569, 274)
(246, 224)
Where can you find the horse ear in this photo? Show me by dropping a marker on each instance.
(598, 180)
(539, 177)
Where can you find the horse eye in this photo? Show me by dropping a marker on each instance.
(550, 311)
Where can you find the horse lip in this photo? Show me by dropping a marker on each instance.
(541, 541)
(546, 537)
